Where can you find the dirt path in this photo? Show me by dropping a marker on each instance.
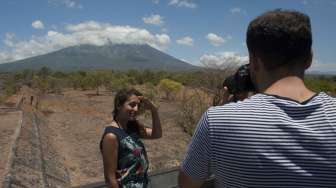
(75, 122)
(9, 130)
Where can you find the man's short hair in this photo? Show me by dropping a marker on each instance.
(280, 37)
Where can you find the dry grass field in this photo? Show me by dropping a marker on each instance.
(75, 122)
(54, 138)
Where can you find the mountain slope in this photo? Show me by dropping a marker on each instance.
(91, 57)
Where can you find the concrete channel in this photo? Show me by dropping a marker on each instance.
(165, 178)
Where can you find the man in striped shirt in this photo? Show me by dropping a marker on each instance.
(284, 136)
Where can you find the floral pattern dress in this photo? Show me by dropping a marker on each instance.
(132, 157)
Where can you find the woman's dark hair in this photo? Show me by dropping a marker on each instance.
(280, 37)
(121, 97)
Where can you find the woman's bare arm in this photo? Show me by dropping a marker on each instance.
(110, 159)
(156, 130)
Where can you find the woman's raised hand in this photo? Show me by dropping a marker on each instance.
(147, 103)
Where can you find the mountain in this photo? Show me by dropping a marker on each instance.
(111, 56)
(326, 73)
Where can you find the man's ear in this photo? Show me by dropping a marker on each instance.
(254, 62)
(309, 60)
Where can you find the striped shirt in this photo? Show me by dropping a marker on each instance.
(266, 141)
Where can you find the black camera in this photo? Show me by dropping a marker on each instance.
(240, 81)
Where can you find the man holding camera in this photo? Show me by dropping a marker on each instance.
(283, 136)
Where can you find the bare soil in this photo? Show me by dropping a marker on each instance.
(75, 122)
(9, 126)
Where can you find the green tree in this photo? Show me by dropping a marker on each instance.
(118, 83)
(10, 86)
(27, 76)
(41, 83)
(80, 80)
(44, 72)
(55, 85)
(135, 76)
(60, 75)
(319, 84)
(97, 79)
(334, 78)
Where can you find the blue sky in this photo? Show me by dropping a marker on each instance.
(196, 31)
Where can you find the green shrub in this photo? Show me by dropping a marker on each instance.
(2, 99)
(193, 104)
(170, 88)
(320, 84)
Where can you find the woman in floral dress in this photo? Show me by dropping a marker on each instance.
(124, 155)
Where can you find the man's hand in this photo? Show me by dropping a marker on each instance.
(227, 97)
(184, 181)
(223, 97)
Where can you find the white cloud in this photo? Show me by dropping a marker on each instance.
(162, 39)
(188, 41)
(223, 60)
(217, 40)
(184, 60)
(156, 1)
(9, 39)
(67, 3)
(52, 33)
(154, 19)
(5, 57)
(89, 32)
(183, 3)
(37, 24)
(235, 10)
